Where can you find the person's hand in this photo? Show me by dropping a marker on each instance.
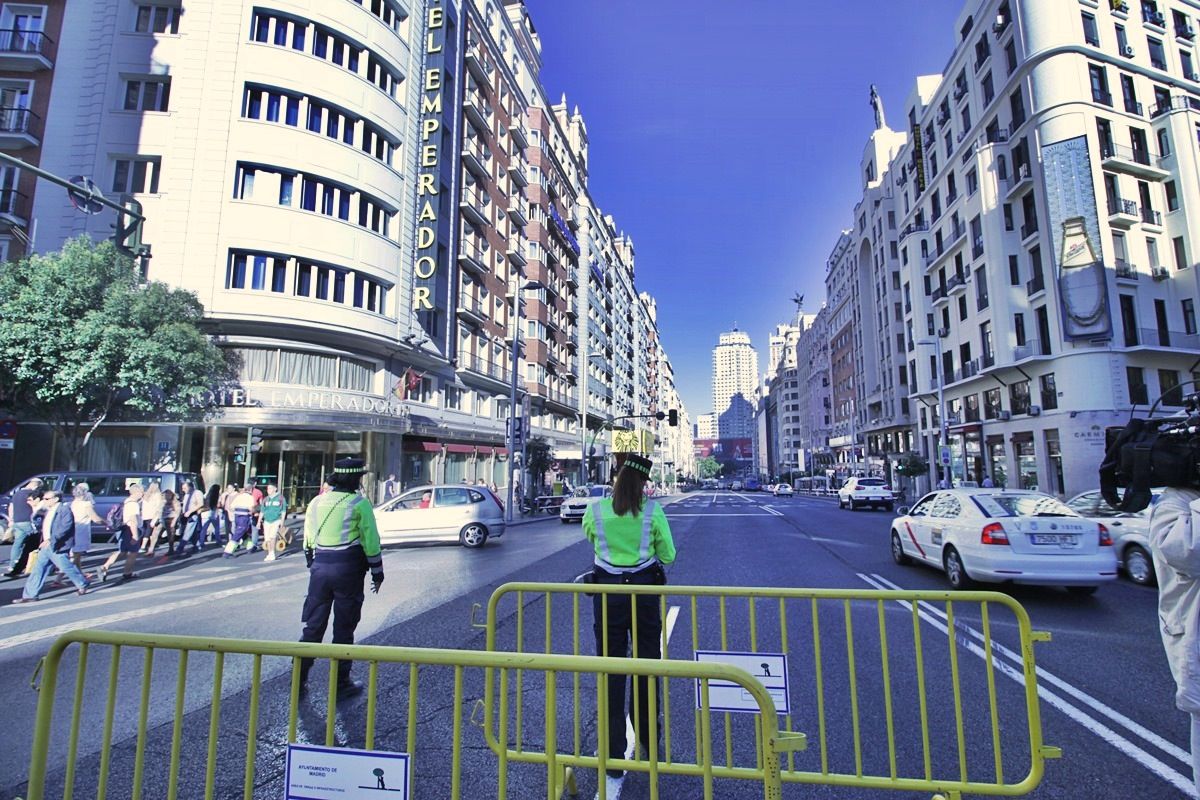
(308, 556)
(376, 581)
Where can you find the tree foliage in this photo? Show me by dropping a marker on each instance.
(83, 341)
(707, 467)
(912, 465)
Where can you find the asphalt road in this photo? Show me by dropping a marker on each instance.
(1106, 690)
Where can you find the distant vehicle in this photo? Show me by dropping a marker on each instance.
(1130, 532)
(783, 490)
(998, 535)
(108, 488)
(752, 485)
(769, 487)
(736, 486)
(469, 515)
(573, 509)
(873, 492)
(709, 483)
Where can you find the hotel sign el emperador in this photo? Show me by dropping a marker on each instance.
(429, 274)
(312, 400)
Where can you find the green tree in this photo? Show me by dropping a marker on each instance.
(707, 467)
(538, 458)
(84, 341)
(912, 465)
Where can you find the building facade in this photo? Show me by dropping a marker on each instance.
(735, 395)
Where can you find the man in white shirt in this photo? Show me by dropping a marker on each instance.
(127, 541)
(244, 508)
(191, 503)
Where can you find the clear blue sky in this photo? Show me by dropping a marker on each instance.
(726, 138)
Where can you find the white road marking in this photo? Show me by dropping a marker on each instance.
(770, 510)
(719, 514)
(937, 619)
(672, 616)
(840, 542)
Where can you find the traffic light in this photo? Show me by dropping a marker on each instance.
(128, 230)
(673, 418)
(256, 439)
(239, 454)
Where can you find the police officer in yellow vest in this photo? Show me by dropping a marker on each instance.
(633, 542)
(341, 543)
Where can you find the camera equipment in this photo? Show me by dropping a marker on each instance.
(1153, 452)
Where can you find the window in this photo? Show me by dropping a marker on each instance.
(991, 403)
(256, 271)
(1049, 392)
(147, 94)
(136, 175)
(1010, 55)
(157, 19)
(972, 182)
(1018, 397)
(1091, 33)
(1189, 315)
(1098, 78)
(1172, 196)
(1019, 329)
(1168, 387)
(981, 288)
(1158, 56)
(1129, 328)
(1180, 250)
(989, 93)
(1134, 377)
(1122, 40)
(1129, 95)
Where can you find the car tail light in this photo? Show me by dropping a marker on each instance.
(886, 488)
(860, 488)
(993, 534)
(1105, 537)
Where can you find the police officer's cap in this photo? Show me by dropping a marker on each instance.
(349, 466)
(639, 463)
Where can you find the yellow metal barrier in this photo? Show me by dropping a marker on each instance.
(891, 705)
(153, 727)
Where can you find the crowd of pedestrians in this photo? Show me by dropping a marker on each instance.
(50, 534)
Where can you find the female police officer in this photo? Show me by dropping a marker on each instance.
(632, 541)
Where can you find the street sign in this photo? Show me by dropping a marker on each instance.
(7, 444)
(87, 197)
(944, 455)
(326, 773)
(8, 429)
(516, 430)
(769, 668)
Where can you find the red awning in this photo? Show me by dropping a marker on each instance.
(431, 447)
(460, 448)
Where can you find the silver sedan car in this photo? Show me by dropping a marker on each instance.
(1130, 532)
(573, 509)
(469, 515)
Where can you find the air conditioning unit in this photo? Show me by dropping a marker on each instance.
(999, 24)
(1160, 273)
(1127, 51)
(1035, 410)
(1192, 76)
(943, 333)
(1005, 416)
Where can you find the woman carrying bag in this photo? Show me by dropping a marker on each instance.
(632, 542)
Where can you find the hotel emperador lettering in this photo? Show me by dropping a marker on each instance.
(428, 200)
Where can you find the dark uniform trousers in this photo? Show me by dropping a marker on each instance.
(335, 583)
(616, 638)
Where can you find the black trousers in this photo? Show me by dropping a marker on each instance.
(616, 638)
(335, 583)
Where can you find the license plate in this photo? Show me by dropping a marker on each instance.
(1060, 539)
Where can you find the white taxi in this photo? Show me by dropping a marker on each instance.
(1001, 535)
(574, 507)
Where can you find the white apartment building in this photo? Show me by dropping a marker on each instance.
(706, 426)
(1048, 201)
(735, 389)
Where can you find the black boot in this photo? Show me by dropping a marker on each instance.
(347, 687)
(305, 667)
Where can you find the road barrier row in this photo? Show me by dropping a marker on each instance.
(149, 739)
(887, 702)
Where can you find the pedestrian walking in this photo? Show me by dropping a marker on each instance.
(231, 491)
(127, 545)
(58, 536)
(191, 502)
(210, 516)
(341, 543)
(152, 509)
(20, 513)
(1175, 548)
(166, 523)
(83, 511)
(391, 488)
(632, 542)
(273, 510)
(988, 483)
(243, 508)
(256, 523)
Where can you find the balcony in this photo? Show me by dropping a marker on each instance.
(1125, 271)
(939, 294)
(516, 251)
(987, 360)
(475, 205)
(1029, 230)
(24, 51)
(1152, 217)
(1133, 161)
(472, 255)
(1154, 18)
(517, 174)
(1020, 180)
(1122, 213)
(13, 208)
(1035, 285)
(1185, 32)
(477, 158)
(977, 247)
(1135, 108)
(478, 66)
(1161, 337)
(955, 283)
(573, 341)
(910, 229)
(478, 110)
(516, 213)
(19, 128)
(471, 310)
(481, 366)
(1031, 349)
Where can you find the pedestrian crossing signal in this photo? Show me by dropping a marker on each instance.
(673, 417)
(239, 454)
(256, 440)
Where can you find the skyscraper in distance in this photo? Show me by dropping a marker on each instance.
(734, 392)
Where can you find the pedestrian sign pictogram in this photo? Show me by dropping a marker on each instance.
(769, 668)
(323, 773)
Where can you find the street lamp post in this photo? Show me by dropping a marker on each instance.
(583, 410)
(943, 431)
(512, 395)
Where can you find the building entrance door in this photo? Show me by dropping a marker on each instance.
(303, 472)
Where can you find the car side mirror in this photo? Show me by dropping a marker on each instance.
(902, 510)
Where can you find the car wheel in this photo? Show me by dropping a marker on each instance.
(474, 535)
(853, 505)
(1083, 591)
(889, 507)
(1138, 565)
(563, 520)
(898, 554)
(840, 503)
(956, 573)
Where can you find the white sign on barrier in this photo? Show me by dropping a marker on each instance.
(769, 668)
(326, 773)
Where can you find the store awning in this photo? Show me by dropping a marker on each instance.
(566, 454)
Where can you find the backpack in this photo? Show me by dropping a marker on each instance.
(115, 517)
